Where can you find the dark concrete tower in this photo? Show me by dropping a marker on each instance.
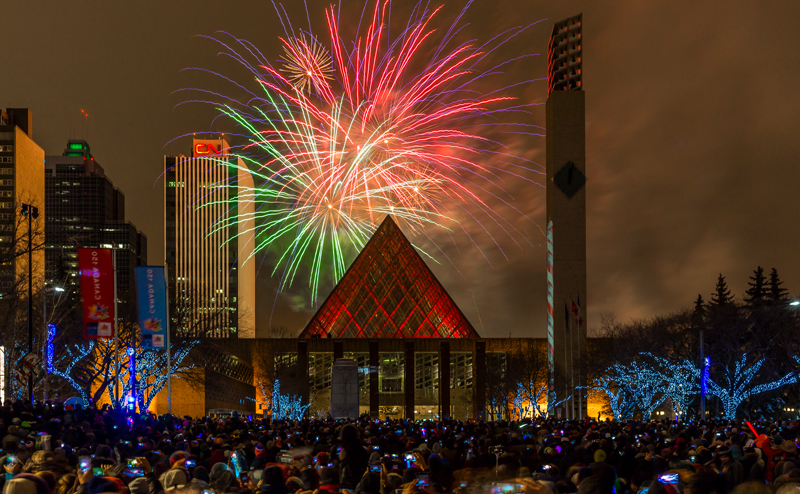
(566, 215)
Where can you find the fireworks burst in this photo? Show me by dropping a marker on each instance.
(306, 60)
(340, 137)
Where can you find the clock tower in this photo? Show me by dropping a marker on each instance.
(566, 218)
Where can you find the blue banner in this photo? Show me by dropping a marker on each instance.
(151, 287)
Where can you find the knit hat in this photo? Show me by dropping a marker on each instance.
(100, 485)
(39, 483)
(173, 478)
(294, 483)
(259, 449)
(178, 456)
(19, 486)
(139, 486)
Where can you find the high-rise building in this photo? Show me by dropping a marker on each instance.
(209, 241)
(21, 184)
(84, 209)
(566, 215)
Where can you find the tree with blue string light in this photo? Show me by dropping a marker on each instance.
(733, 386)
(620, 400)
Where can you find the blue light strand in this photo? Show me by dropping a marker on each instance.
(738, 388)
(680, 385)
(75, 355)
(621, 403)
(286, 406)
(50, 348)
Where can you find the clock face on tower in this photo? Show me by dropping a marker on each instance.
(569, 179)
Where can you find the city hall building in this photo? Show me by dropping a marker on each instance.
(417, 354)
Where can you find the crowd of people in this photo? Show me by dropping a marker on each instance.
(50, 449)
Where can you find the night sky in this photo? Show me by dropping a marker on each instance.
(692, 116)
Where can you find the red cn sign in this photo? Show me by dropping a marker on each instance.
(205, 149)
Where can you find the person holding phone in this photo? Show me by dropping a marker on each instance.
(11, 466)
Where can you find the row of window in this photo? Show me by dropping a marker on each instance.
(6, 148)
(6, 159)
(6, 171)
(6, 181)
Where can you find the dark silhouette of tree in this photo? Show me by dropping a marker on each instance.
(755, 294)
(722, 294)
(777, 294)
(699, 315)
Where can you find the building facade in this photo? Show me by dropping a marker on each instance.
(209, 241)
(84, 209)
(21, 183)
(407, 377)
(566, 214)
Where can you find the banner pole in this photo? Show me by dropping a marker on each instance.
(169, 347)
(116, 329)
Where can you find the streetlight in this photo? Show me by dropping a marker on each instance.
(794, 303)
(32, 212)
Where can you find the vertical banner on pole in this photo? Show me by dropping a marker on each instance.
(151, 287)
(97, 290)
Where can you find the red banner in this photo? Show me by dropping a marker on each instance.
(97, 289)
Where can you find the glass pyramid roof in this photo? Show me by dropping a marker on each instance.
(389, 292)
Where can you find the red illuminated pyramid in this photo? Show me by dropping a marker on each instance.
(389, 292)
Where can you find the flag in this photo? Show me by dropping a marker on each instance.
(97, 290)
(576, 310)
(151, 288)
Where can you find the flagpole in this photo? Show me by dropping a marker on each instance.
(566, 358)
(169, 347)
(572, 365)
(116, 328)
(580, 395)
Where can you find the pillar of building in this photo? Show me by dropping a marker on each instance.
(338, 349)
(374, 367)
(409, 379)
(479, 380)
(444, 379)
(302, 370)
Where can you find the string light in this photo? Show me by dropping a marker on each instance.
(643, 383)
(533, 395)
(619, 399)
(73, 356)
(49, 348)
(733, 390)
(285, 406)
(151, 374)
(680, 384)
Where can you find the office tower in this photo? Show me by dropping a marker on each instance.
(21, 185)
(566, 215)
(84, 209)
(209, 241)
